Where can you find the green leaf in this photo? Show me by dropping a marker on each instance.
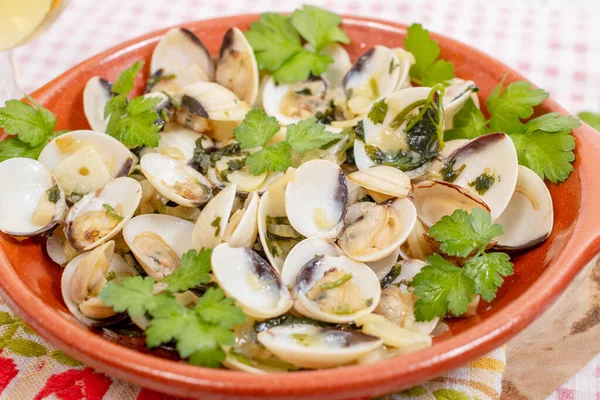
(210, 357)
(301, 65)
(137, 128)
(274, 40)
(426, 71)
(25, 347)
(32, 123)
(14, 147)
(213, 307)
(548, 154)
(516, 101)
(450, 394)
(133, 295)
(126, 81)
(487, 271)
(308, 135)
(198, 336)
(318, 27)
(194, 269)
(590, 118)
(552, 123)
(64, 359)
(169, 319)
(441, 286)
(469, 123)
(274, 158)
(256, 129)
(461, 232)
(378, 112)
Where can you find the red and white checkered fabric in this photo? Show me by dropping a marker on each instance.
(555, 43)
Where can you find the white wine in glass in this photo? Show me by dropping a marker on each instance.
(20, 22)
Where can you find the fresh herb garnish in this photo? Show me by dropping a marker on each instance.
(256, 130)
(449, 174)
(543, 144)
(132, 122)
(428, 69)
(216, 223)
(194, 269)
(157, 77)
(110, 211)
(338, 282)
(442, 286)
(590, 118)
(378, 112)
(391, 276)
(483, 183)
(53, 194)
(277, 42)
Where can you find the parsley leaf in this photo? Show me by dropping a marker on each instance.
(428, 69)
(194, 269)
(301, 65)
(14, 147)
(461, 232)
(469, 123)
(308, 135)
(133, 295)
(441, 286)
(32, 123)
(552, 123)
(256, 129)
(487, 271)
(508, 105)
(126, 81)
(213, 307)
(274, 158)
(136, 127)
(378, 112)
(590, 118)
(318, 27)
(548, 154)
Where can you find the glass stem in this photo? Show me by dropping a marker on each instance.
(9, 86)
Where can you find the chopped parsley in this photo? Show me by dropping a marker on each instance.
(378, 112)
(449, 174)
(483, 183)
(110, 211)
(217, 225)
(53, 194)
(338, 282)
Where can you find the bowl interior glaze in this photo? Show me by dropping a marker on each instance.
(30, 281)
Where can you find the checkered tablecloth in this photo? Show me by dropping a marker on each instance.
(556, 43)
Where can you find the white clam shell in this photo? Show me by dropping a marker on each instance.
(245, 232)
(383, 266)
(455, 97)
(123, 191)
(435, 199)
(164, 172)
(182, 53)
(251, 281)
(302, 253)
(405, 60)
(178, 142)
(323, 348)
(23, 184)
(316, 199)
(362, 276)
(96, 94)
(340, 66)
(494, 154)
(176, 232)
(212, 222)
(236, 68)
(529, 216)
(383, 179)
(211, 101)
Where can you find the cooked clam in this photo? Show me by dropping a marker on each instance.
(302, 253)
(336, 289)
(405, 61)
(179, 143)
(175, 180)
(310, 346)
(212, 222)
(158, 242)
(251, 281)
(340, 66)
(31, 200)
(101, 214)
(58, 248)
(96, 94)
(455, 97)
(384, 180)
(242, 227)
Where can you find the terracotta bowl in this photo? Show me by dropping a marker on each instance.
(30, 281)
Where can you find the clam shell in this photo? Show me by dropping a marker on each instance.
(245, 232)
(179, 143)
(96, 94)
(383, 179)
(340, 66)
(302, 253)
(212, 222)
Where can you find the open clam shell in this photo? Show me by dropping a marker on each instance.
(251, 281)
(455, 97)
(175, 180)
(311, 346)
(528, 218)
(101, 214)
(179, 143)
(383, 266)
(340, 66)
(83, 279)
(405, 60)
(58, 248)
(236, 68)
(242, 227)
(336, 289)
(96, 94)
(382, 179)
(490, 159)
(371, 78)
(181, 53)
(434, 199)
(31, 200)
(302, 253)
(83, 161)
(212, 222)
(374, 231)
(316, 199)
(158, 242)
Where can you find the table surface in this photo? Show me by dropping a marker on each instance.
(556, 47)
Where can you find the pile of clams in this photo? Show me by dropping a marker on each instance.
(311, 245)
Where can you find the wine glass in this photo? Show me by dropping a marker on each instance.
(20, 22)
